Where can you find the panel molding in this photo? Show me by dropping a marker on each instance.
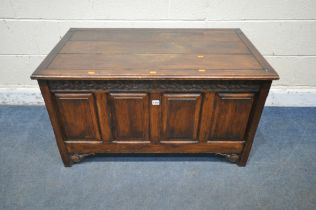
(67, 119)
(114, 99)
(235, 96)
(230, 109)
(167, 99)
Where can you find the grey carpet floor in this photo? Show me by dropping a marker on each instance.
(281, 172)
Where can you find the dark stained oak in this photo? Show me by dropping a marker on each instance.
(230, 112)
(95, 54)
(103, 115)
(155, 118)
(168, 63)
(154, 91)
(213, 147)
(129, 116)
(253, 122)
(180, 117)
(78, 116)
(155, 34)
(52, 112)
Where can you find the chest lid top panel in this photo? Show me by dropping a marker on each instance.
(154, 54)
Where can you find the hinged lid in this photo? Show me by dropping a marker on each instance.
(155, 54)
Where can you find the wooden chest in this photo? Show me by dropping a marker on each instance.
(154, 91)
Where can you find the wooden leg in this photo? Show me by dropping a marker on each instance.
(49, 102)
(69, 162)
(253, 122)
(242, 163)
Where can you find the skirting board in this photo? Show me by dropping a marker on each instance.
(294, 97)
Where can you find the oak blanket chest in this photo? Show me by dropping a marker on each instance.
(154, 91)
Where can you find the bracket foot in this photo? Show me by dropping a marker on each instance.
(234, 158)
(76, 158)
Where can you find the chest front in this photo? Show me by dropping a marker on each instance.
(154, 91)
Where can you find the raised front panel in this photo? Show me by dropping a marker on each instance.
(78, 116)
(129, 116)
(230, 116)
(180, 117)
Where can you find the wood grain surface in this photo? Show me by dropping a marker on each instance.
(154, 91)
(155, 53)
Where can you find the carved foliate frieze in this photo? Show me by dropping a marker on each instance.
(148, 85)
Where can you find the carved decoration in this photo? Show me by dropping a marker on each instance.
(147, 85)
(76, 158)
(231, 157)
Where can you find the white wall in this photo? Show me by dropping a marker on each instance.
(284, 31)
